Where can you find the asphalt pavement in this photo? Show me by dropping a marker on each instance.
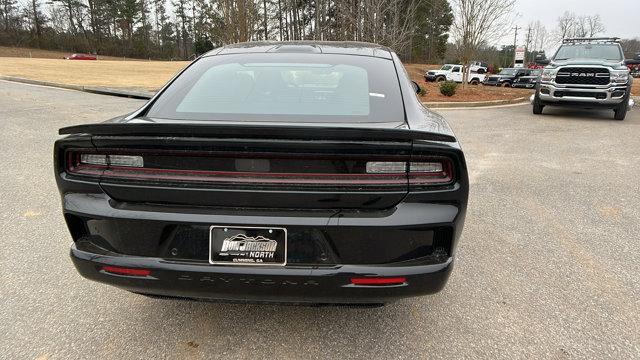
(548, 265)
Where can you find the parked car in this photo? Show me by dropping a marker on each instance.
(440, 74)
(586, 73)
(456, 75)
(528, 81)
(294, 172)
(81, 57)
(476, 67)
(506, 77)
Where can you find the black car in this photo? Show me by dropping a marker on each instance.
(305, 172)
(506, 77)
(528, 81)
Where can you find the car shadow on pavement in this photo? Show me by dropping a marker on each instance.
(288, 330)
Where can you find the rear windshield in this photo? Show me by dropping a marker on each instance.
(284, 87)
(589, 51)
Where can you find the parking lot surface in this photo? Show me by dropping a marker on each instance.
(548, 265)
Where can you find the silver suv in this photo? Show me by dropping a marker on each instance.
(586, 73)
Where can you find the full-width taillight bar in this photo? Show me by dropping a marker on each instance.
(436, 170)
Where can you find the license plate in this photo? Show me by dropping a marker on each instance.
(233, 245)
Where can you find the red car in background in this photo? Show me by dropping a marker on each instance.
(81, 57)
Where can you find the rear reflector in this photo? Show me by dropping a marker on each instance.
(126, 271)
(378, 281)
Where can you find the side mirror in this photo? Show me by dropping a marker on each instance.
(416, 87)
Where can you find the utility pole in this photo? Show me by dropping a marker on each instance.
(515, 40)
(527, 43)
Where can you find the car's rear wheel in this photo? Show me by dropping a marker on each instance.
(474, 82)
(506, 84)
(537, 105)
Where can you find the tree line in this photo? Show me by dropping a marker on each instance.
(182, 29)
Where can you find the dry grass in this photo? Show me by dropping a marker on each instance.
(148, 75)
(473, 93)
(23, 52)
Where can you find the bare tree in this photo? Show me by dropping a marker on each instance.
(571, 25)
(538, 38)
(594, 25)
(566, 26)
(478, 22)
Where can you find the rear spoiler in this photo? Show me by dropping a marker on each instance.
(255, 131)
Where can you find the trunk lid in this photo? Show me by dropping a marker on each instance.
(254, 166)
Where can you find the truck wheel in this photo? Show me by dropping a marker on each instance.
(506, 84)
(481, 71)
(474, 82)
(537, 105)
(620, 112)
(441, 79)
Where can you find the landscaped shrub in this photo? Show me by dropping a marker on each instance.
(448, 88)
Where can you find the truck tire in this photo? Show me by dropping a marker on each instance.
(537, 105)
(481, 71)
(620, 111)
(474, 82)
(441, 79)
(506, 84)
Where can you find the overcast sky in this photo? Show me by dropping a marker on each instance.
(621, 18)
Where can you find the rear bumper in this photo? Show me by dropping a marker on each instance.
(413, 240)
(264, 284)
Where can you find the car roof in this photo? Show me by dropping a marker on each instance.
(317, 47)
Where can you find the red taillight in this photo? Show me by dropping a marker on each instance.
(378, 281)
(228, 169)
(126, 271)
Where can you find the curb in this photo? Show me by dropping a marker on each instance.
(134, 94)
(471, 104)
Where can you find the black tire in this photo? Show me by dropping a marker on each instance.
(537, 105)
(474, 82)
(506, 84)
(481, 71)
(441, 79)
(620, 112)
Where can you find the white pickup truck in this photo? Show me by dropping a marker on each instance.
(453, 72)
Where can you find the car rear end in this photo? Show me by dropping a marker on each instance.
(277, 212)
